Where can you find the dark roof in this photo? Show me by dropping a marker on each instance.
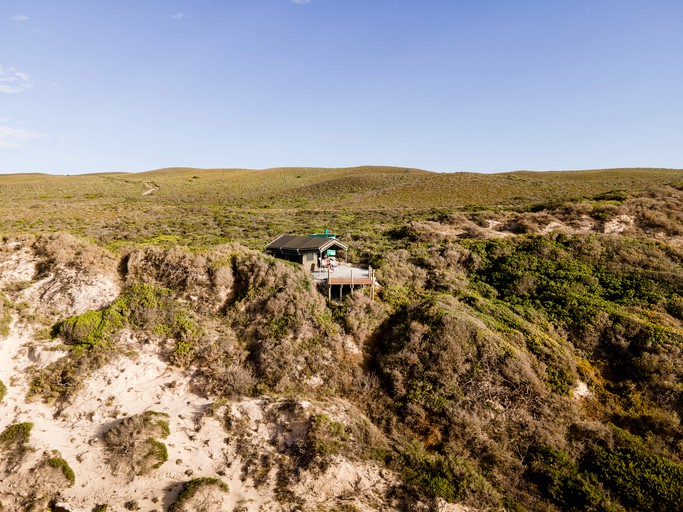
(299, 244)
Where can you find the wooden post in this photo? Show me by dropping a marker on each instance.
(372, 282)
(329, 285)
(352, 279)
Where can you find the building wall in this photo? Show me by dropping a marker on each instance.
(310, 261)
(296, 258)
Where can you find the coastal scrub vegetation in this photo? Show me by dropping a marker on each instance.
(200, 495)
(16, 435)
(133, 446)
(5, 315)
(524, 352)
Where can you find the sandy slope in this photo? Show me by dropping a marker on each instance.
(198, 445)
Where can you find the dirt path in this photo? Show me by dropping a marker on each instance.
(151, 187)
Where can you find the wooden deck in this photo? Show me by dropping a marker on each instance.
(346, 275)
(352, 281)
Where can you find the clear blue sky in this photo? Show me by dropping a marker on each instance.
(443, 85)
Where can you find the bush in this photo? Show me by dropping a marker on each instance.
(183, 353)
(362, 316)
(641, 480)
(5, 315)
(63, 465)
(91, 328)
(61, 379)
(325, 438)
(64, 250)
(90, 337)
(191, 489)
(560, 480)
(441, 476)
(3, 391)
(16, 435)
(141, 307)
(132, 447)
(203, 277)
(288, 330)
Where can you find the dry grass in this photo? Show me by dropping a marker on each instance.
(205, 207)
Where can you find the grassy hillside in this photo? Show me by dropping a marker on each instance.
(204, 207)
(525, 351)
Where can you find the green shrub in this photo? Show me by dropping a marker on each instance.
(142, 306)
(160, 420)
(16, 435)
(3, 391)
(157, 451)
(90, 336)
(62, 378)
(183, 353)
(132, 445)
(437, 475)
(5, 315)
(559, 380)
(612, 195)
(572, 279)
(560, 480)
(641, 480)
(192, 487)
(91, 328)
(60, 463)
(326, 437)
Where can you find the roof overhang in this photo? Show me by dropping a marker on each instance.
(288, 244)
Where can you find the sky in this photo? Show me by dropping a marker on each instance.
(441, 85)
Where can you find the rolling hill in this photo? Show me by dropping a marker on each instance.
(524, 353)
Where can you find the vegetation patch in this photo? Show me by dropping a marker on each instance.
(91, 328)
(210, 490)
(3, 391)
(142, 307)
(62, 378)
(287, 328)
(132, 445)
(16, 435)
(5, 315)
(63, 466)
(435, 475)
(324, 439)
(560, 480)
(90, 337)
(641, 479)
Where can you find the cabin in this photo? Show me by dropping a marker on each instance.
(318, 254)
(311, 251)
